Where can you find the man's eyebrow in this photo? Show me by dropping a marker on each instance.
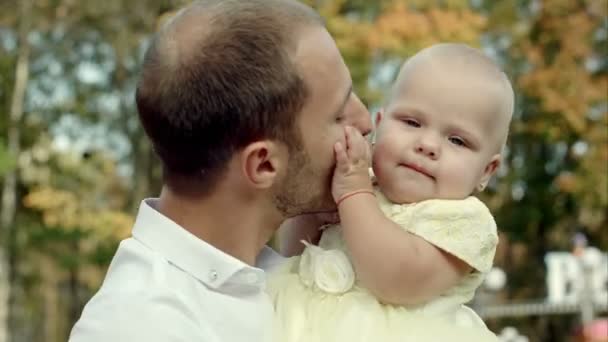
(345, 101)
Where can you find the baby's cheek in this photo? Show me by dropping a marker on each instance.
(455, 186)
(376, 166)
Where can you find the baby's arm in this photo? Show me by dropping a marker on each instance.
(396, 266)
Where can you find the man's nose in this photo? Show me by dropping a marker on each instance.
(358, 116)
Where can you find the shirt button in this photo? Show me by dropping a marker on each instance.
(213, 275)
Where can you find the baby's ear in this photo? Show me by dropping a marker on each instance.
(489, 171)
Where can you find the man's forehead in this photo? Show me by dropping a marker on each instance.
(316, 51)
(321, 65)
(322, 68)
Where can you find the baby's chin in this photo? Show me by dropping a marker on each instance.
(402, 196)
(408, 195)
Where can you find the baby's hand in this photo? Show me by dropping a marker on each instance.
(352, 164)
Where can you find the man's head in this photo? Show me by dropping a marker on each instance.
(330, 106)
(225, 90)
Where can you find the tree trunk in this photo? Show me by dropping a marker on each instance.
(9, 188)
(75, 306)
(51, 301)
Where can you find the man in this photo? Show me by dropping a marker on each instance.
(243, 102)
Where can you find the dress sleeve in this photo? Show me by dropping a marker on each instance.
(463, 228)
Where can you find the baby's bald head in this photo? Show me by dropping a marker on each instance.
(459, 68)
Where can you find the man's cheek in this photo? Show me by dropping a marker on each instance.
(340, 137)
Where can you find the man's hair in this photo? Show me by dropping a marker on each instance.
(218, 76)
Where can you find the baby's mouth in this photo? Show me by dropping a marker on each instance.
(418, 169)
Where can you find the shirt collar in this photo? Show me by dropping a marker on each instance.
(206, 263)
(269, 260)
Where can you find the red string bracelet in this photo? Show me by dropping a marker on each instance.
(353, 193)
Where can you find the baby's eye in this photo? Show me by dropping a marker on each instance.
(458, 141)
(411, 122)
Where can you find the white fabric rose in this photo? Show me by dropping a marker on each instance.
(333, 272)
(329, 270)
(306, 264)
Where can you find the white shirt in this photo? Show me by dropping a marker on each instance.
(164, 285)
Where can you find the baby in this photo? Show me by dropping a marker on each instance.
(414, 243)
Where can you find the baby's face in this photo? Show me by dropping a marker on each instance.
(439, 137)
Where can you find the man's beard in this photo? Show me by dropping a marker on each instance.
(303, 190)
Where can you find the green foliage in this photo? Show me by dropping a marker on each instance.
(84, 164)
(7, 162)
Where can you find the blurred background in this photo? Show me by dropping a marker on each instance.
(74, 163)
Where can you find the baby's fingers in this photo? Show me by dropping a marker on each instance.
(357, 145)
(342, 162)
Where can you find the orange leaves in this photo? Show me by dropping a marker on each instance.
(567, 182)
(75, 191)
(350, 36)
(395, 26)
(58, 208)
(369, 33)
(462, 26)
(598, 8)
(577, 30)
(566, 88)
(64, 209)
(404, 29)
(400, 27)
(559, 58)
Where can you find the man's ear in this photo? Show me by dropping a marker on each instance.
(262, 162)
(489, 171)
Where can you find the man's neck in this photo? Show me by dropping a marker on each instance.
(233, 225)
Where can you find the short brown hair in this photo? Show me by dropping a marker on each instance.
(217, 77)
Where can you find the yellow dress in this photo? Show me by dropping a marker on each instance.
(318, 298)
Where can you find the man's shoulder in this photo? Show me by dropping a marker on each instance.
(144, 315)
(142, 299)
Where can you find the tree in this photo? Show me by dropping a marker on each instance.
(67, 44)
(9, 190)
(83, 163)
(557, 165)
